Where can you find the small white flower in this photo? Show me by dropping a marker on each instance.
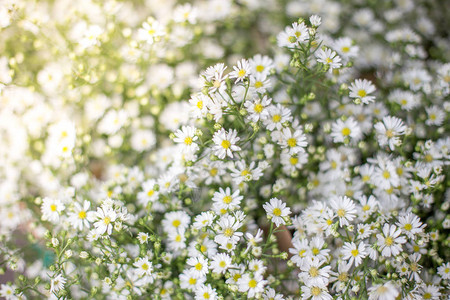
(225, 143)
(276, 211)
(51, 209)
(251, 284)
(315, 20)
(389, 130)
(354, 253)
(383, 291)
(220, 263)
(344, 208)
(346, 131)
(329, 57)
(186, 137)
(241, 71)
(361, 89)
(144, 268)
(390, 241)
(106, 218)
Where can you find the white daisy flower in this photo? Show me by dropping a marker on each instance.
(220, 263)
(345, 47)
(224, 199)
(257, 108)
(251, 284)
(106, 218)
(383, 291)
(329, 57)
(190, 281)
(199, 265)
(144, 268)
(241, 71)
(276, 211)
(410, 224)
(51, 209)
(205, 292)
(390, 241)
(444, 271)
(228, 230)
(57, 283)
(261, 64)
(81, 216)
(436, 115)
(389, 130)
(295, 142)
(186, 137)
(354, 253)
(317, 291)
(344, 208)
(346, 131)
(204, 219)
(148, 193)
(225, 143)
(362, 89)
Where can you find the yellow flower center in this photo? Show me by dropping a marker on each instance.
(346, 131)
(144, 267)
(192, 281)
(328, 60)
(386, 174)
(176, 223)
(252, 283)
(188, 140)
(226, 144)
(150, 193)
(277, 212)
(389, 133)
(227, 199)
(389, 241)
(343, 277)
(200, 104)
(276, 118)
(198, 266)
(228, 232)
(222, 264)
(107, 220)
(314, 272)
(241, 73)
(258, 84)
(82, 214)
(259, 68)
(355, 252)
(213, 172)
(362, 93)
(293, 160)
(408, 227)
(341, 212)
(292, 142)
(315, 251)
(53, 207)
(366, 207)
(258, 108)
(345, 49)
(245, 172)
(315, 291)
